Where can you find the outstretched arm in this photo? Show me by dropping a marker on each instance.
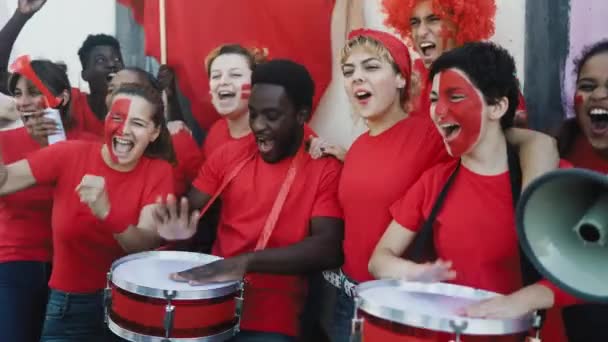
(15, 177)
(9, 33)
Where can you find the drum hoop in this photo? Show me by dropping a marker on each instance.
(136, 337)
(474, 326)
(175, 294)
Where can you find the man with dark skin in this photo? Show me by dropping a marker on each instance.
(308, 233)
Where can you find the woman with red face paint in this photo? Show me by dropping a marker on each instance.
(25, 217)
(584, 142)
(474, 97)
(382, 163)
(103, 196)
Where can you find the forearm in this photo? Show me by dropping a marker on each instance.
(538, 153)
(8, 36)
(560, 297)
(355, 17)
(315, 253)
(175, 110)
(135, 239)
(385, 265)
(537, 297)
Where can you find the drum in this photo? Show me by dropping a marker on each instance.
(393, 310)
(143, 304)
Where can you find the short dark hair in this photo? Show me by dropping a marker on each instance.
(491, 69)
(91, 42)
(162, 147)
(588, 53)
(293, 77)
(54, 77)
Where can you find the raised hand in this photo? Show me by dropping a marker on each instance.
(92, 192)
(433, 272)
(166, 79)
(29, 7)
(38, 125)
(177, 125)
(174, 222)
(231, 269)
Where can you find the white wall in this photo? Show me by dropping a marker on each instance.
(334, 119)
(59, 28)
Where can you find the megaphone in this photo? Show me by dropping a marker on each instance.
(562, 224)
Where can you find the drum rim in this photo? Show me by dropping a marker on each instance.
(136, 337)
(475, 326)
(195, 293)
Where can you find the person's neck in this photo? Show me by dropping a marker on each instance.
(381, 123)
(489, 157)
(239, 126)
(97, 103)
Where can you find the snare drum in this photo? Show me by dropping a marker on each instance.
(393, 310)
(143, 304)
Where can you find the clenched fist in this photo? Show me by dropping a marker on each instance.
(92, 192)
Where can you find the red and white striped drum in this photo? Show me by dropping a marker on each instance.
(143, 304)
(393, 310)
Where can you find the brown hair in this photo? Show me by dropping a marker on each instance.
(254, 56)
(161, 148)
(55, 78)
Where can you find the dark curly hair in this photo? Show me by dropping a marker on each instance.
(91, 42)
(491, 69)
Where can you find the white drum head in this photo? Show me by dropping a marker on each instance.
(149, 273)
(433, 306)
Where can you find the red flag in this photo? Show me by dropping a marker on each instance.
(297, 30)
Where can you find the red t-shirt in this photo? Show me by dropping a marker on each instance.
(189, 160)
(84, 118)
(273, 302)
(584, 156)
(488, 258)
(84, 246)
(25, 216)
(377, 171)
(219, 134)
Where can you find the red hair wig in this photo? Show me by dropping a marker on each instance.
(474, 19)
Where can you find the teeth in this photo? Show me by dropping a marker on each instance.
(598, 111)
(361, 93)
(448, 126)
(122, 141)
(426, 45)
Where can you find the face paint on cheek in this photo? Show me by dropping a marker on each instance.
(467, 113)
(246, 91)
(578, 100)
(115, 123)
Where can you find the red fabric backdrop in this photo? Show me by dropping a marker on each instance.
(298, 30)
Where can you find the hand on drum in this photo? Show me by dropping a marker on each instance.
(173, 222)
(437, 271)
(503, 307)
(231, 269)
(92, 192)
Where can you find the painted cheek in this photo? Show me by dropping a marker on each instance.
(578, 100)
(121, 108)
(246, 91)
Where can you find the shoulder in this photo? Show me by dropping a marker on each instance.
(439, 173)
(78, 134)
(156, 166)
(232, 152)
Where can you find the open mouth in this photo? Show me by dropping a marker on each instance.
(122, 146)
(110, 76)
(265, 145)
(449, 131)
(225, 94)
(599, 119)
(427, 48)
(362, 95)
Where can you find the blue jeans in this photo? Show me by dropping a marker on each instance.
(74, 317)
(23, 296)
(256, 336)
(342, 317)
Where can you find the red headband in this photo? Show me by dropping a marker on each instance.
(23, 67)
(397, 49)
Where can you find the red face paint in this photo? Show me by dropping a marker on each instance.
(245, 91)
(459, 103)
(115, 123)
(23, 66)
(578, 100)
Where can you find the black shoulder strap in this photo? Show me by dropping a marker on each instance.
(423, 248)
